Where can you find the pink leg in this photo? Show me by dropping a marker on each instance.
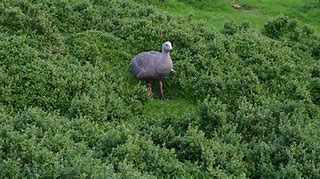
(149, 88)
(161, 89)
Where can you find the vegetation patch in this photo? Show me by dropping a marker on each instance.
(244, 101)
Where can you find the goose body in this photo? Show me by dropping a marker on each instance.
(153, 65)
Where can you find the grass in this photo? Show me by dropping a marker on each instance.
(257, 12)
(158, 108)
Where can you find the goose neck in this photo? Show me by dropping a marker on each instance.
(165, 54)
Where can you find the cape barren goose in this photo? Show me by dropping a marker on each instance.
(153, 65)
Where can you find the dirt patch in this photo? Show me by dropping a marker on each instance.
(242, 7)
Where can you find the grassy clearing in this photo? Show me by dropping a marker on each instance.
(256, 12)
(157, 108)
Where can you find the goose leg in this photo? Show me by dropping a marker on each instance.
(161, 90)
(149, 88)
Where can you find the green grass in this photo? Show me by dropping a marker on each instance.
(158, 108)
(257, 12)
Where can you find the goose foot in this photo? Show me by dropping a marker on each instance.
(161, 90)
(149, 88)
(162, 97)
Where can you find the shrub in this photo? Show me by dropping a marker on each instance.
(230, 28)
(279, 27)
(213, 115)
(315, 88)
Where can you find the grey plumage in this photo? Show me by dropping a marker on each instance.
(153, 65)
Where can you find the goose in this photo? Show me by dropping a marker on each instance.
(153, 65)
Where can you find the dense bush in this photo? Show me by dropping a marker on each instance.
(69, 107)
(315, 4)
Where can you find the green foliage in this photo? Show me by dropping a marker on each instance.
(36, 144)
(279, 27)
(231, 27)
(69, 107)
(290, 29)
(315, 91)
(315, 4)
(213, 115)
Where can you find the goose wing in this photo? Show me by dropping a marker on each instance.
(144, 64)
